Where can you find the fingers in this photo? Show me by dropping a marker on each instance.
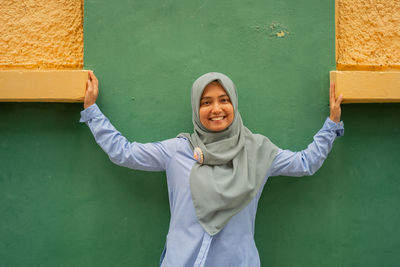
(88, 84)
(332, 92)
(335, 110)
(91, 75)
(332, 95)
(339, 100)
(89, 87)
(93, 78)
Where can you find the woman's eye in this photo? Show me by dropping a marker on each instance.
(205, 103)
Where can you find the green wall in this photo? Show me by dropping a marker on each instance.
(63, 203)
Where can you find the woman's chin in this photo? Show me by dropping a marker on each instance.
(217, 126)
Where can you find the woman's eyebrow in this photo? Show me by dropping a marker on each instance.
(208, 97)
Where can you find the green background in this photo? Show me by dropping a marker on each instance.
(63, 203)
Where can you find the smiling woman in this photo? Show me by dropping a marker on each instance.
(214, 196)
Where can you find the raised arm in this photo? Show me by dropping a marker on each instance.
(150, 156)
(309, 160)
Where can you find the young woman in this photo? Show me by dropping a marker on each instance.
(215, 175)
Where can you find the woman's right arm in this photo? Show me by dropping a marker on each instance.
(149, 157)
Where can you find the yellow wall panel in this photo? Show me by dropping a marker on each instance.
(367, 50)
(37, 36)
(43, 86)
(361, 86)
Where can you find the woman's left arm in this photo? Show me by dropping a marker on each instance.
(308, 161)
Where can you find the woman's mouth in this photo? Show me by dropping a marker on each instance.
(217, 118)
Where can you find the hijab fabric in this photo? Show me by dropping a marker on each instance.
(235, 163)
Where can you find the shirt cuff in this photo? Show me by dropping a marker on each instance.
(337, 127)
(90, 113)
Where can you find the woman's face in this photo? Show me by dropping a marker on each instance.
(216, 110)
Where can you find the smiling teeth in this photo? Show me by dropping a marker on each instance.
(217, 119)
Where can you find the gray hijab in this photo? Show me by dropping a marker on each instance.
(235, 163)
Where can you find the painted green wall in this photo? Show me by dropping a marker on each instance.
(63, 203)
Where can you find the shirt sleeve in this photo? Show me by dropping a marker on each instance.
(148, 157)
(309, 160)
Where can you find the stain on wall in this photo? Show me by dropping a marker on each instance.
(368, 34)
(273, 30)
(41, 34)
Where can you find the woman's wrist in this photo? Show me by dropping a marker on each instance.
(334, 119)
(86, 105)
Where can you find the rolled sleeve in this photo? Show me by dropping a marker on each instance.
(337, 127)
(91, 112)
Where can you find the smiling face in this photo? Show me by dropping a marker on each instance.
(216, 110)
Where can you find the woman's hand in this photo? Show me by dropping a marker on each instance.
(334, 104)
(92, 90)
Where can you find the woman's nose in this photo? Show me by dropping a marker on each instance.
(216, 108)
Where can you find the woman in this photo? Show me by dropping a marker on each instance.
(215, 175)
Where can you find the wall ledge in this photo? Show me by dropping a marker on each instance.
(43, 85)
(367, 86)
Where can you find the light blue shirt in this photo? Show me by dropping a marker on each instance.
(187, 243)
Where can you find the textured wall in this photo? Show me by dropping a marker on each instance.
(368, 34)
(63, 203)
(41, 34)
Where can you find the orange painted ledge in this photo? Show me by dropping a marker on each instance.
(367, 86)
(43, 86)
